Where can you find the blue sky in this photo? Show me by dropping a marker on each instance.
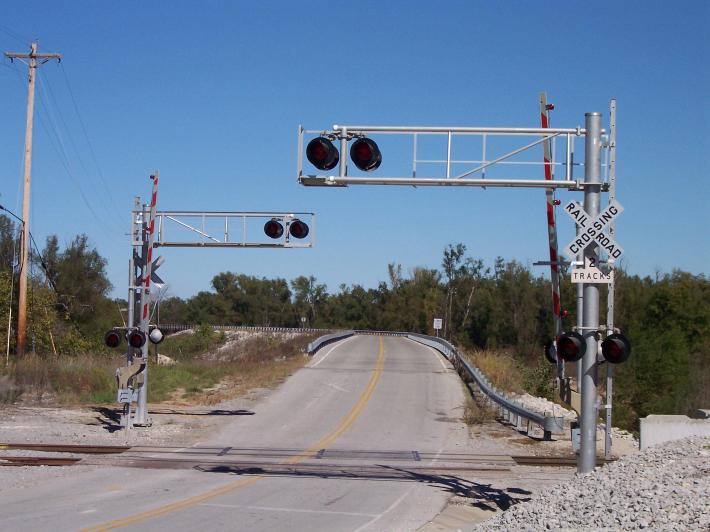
(212, 93)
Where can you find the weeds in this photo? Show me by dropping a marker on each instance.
(258, 362)
(477, 411)
(500, 366)
(188, 345)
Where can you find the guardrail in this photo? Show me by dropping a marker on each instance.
(509, 409)
(512, 411)
(175, 327)
(316, 344)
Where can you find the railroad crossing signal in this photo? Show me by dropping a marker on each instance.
(616, 348)
(592, 230)
(295, 227)
(136, 338)
(571, 346)
(364, 153)
(112, 338)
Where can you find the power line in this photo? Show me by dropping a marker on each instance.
(66, 162)
(88, 140)
(44, 83)
(16, 36)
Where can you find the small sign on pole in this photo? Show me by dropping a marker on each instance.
(438, 322)
(592, 274)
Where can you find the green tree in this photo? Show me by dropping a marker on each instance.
(78, 274)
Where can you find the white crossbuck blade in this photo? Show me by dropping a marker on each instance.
(593, 230)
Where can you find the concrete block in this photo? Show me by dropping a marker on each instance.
(657, 429)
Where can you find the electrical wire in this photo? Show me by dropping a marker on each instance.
(66, 162)
(16, 36)
(58, 111)
(88, 142)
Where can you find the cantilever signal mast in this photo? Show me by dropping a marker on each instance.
(33, 60)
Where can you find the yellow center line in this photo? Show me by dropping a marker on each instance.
(324, 442)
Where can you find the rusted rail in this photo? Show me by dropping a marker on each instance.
(62, 448)
(19, 461)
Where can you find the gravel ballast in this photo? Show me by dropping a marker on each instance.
(663, 488)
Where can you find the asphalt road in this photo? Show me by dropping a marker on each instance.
(344, 444)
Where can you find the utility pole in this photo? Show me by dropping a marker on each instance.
(33, 56)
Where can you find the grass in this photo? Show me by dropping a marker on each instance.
(188, 345)
(509, 373)
(262, 361)
(477, 412)
(65, 380)
(500, 366)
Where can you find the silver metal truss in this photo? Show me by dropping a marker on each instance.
(197, 229)
(479, 166)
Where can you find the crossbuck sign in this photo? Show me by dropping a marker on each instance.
(593, 230)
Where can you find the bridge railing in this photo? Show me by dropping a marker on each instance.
(316, 344)
(510, 410)
(176, 327)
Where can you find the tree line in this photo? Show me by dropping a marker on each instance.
(503, 305)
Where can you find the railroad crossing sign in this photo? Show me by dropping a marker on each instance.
(592, 274)
(593, 230)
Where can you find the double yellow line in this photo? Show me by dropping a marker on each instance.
(323, 443)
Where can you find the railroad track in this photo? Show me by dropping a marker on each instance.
(265, 460)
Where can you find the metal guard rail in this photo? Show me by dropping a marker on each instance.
(316, 344)
(176, 327)
(512, 411)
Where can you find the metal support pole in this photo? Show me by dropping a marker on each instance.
(580, 324)
(126, 420)
(592, 192)
(612, 288)
(343, 153)
(141, 418)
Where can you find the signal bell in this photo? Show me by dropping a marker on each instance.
(616, 348)
(112, 338)
(322, 154)
(571, 346)
(156, 336)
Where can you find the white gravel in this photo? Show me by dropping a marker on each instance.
(663, 488)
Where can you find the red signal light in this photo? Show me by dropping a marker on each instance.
(112, 338)
(571, 346)
(616, 348)
(298, 229)
(136, 339)
(273, 229)
(365, 154)
(322, 154)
